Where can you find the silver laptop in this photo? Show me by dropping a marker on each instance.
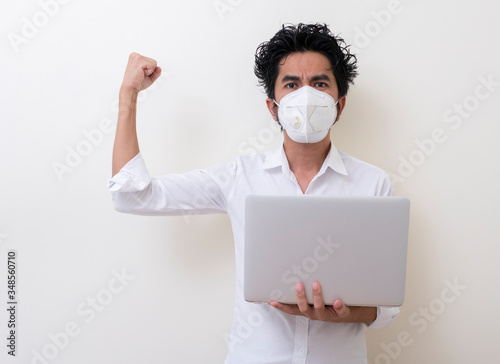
(355, 247)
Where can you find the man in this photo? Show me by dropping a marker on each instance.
(306, 72)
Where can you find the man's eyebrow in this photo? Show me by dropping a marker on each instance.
(287, 78)
(321, 77)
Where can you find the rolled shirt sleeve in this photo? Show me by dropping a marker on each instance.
(196, 192)
(385, 317)
(133, 176)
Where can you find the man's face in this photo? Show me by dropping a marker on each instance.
(304, 69)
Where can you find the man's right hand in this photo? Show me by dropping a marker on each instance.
(140, 73)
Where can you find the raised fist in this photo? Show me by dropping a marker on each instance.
(140, 73)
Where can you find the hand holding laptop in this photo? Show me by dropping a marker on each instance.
(338, 312)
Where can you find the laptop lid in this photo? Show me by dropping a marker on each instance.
(354, 246)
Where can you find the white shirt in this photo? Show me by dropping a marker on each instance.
(260, 333)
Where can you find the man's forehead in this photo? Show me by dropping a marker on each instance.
(305, 65)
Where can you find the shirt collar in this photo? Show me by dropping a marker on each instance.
(335, 161)
(278, 158)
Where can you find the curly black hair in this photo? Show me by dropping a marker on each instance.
(303, 38)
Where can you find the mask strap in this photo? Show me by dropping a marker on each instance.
(276, 103)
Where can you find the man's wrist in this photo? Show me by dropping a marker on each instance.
(127, 96)
(372, 315)
(361, 314)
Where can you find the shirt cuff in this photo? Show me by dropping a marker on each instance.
(133, 176)
(385, 317)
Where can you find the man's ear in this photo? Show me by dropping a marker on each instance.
(340, 107)
(273, 108)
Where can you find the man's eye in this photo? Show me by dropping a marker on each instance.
(290, 85)
(320, 84)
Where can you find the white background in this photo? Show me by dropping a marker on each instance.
(418, 60)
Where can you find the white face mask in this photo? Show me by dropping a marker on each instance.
(307, 114)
